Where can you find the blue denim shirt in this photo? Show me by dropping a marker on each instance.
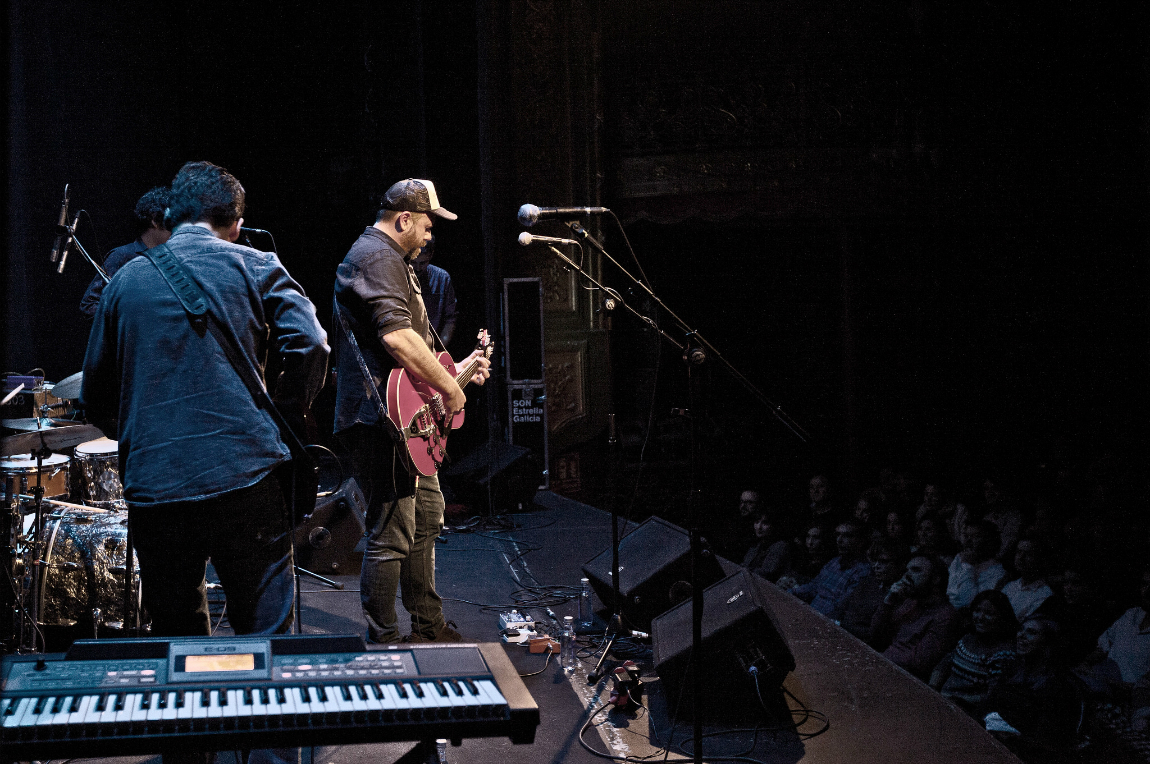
(188, 428)
(112, 263)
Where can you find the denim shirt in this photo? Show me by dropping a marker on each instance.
(188, 428)
(378, 292)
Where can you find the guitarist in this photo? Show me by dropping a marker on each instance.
(198, 456)
(378, 294)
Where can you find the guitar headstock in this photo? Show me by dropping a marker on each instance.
(485, 343)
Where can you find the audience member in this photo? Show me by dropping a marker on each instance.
(1036, 705)
(814, 553)
(1123, 653)
(963, 677)
(915, 623)
(1029, 591)
(936, 499)
(999, 508)
(867, 510)
(974, 569)
(897, 529)
(887, 563)
(827, 592)
(1081, 612)
(932, 539)
(770, 556)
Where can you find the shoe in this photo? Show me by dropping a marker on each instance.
(445, 633)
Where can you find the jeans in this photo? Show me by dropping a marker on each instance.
(244, 533)
(404, 517)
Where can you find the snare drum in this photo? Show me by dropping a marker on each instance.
(20, 478)
(82, 569)
(96, 474)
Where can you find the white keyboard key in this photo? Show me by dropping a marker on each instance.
(170, 712)
(81, 712)
(196, 701)
(22, 705)
(238, 701)
(139, 713)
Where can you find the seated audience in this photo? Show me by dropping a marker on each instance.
(1029, 591)
(963, 677)
(827, 592)
(887, 563)
(974, 569)
(915, 623)
(1035, 706)
(867, 510)
(770, 556)
(821, 507)
(1081, 612)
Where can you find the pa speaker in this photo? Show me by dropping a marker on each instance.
(744, 657)
(510, 474)
(326, 539)
(654, 568)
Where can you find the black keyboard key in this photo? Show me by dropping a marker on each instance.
(205, 698)
(346, 692)
(119, 704)
(247, 696)
(180, 698)
(281, 698)
(146, 701)
(74, 706)
(102, 702)
(442, 690)
(471, 687)
(401, 689)
(39, 707)
(223, 695)
(418, 690)
(56, 705)
(321, 693)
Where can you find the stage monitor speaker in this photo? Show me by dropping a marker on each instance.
(512, 472)
(739, 633)
(326, 539)
(654, 572)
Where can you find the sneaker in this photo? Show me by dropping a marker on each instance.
(445, 633)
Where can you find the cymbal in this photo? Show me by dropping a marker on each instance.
(31, 424)
(69, 387)
(55, 438)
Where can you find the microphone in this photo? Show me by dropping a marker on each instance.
(60, 226)
(526, 238)
(67, 243)
(529, 214)
(245, 229)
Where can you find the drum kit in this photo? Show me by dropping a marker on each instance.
(63, 529)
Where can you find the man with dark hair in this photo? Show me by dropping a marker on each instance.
(379, 295)
(198, 456)
(438, 293)
(152, 231)
(828, 591)
(915, 623)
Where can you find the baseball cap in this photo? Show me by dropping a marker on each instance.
(414, 195)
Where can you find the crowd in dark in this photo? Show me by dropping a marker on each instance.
(1024, 602)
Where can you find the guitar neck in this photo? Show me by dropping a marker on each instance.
(465, 376)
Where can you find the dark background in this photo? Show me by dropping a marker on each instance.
(997, 305)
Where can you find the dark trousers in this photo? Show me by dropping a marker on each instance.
(245, 535)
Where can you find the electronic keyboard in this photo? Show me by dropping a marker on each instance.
(146, 696)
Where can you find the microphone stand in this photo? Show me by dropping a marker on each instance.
(695, 353)
(70, 230)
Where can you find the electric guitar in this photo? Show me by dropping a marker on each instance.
(417, 410)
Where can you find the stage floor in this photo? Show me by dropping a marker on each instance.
(866, 710)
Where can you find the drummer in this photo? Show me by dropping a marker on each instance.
(151, 230)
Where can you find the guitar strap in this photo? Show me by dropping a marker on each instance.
(369, 387)
(191, 296)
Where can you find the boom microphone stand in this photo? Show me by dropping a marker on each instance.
(696, 352)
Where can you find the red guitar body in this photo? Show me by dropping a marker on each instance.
(417, 410)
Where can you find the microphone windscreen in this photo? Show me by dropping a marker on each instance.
(528, 215)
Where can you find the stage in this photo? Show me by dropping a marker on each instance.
(861, 708)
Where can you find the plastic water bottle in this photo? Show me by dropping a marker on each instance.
(567, 644)
(586, 617)
(441, 750)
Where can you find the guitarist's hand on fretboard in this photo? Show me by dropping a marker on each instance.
(482, 365)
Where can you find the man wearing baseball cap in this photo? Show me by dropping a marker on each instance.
(378, 294)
